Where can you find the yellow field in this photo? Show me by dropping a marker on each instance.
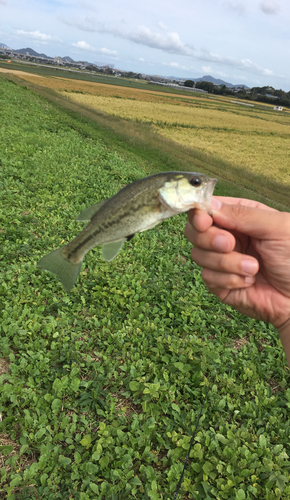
(256, 139)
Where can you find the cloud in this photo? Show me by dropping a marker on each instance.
(88, 24)
(162, 26)
(175, 65)
(236, 7)
(108, 52)
(37, 35)
(87, 4)
(244, 64)
(86, 46)
(3, 2)
(269, 7)
(168, 42)
(206, 69)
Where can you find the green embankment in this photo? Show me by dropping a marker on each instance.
(105, 383)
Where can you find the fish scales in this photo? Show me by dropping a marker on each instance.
(137, 207)
(138, 211)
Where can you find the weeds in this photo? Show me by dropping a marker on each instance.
(100, 388)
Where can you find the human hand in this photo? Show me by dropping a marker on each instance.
(247, 263)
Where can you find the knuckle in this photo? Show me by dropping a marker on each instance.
(223, 262)
(235, 281)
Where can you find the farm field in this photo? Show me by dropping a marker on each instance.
(254, 140)
(258, 141)
(100, 388)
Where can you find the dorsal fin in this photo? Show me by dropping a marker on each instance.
(88, 213)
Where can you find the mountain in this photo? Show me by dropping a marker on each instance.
(68, 59)
(31, 52)
(217, 81)
(206, 78)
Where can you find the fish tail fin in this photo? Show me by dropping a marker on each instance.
(56, 263)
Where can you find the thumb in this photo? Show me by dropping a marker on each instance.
(252, 221)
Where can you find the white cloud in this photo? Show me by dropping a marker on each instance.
(109, 52)
(141, 59)
(168, 42)
(206, 69)
(88, 24)
(87, 4)
(86, 46)
(176, 65)
(244, 64)
(3, 2)
(269, 7)
(37, 35)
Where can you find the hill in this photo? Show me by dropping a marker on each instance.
(32, 52)
(217, 81)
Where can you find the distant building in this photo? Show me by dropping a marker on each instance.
(278, 108)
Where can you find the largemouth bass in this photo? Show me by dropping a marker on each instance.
(136, 208)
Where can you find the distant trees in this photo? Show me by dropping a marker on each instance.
(188, 83)
(91, 67)
(208, 86)
(265, 94)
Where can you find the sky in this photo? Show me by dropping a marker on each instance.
(239, 41)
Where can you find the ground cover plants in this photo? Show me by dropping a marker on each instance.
(100, 388)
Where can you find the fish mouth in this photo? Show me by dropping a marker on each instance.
(205, 196)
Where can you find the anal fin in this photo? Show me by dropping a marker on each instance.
(110, 250)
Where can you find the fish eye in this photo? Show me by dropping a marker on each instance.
(195, 181)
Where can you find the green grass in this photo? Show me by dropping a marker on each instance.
(105, 383)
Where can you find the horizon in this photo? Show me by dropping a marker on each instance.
(195, 78)
(243, 41)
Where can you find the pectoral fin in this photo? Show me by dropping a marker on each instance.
(110, 250)
(88, 213)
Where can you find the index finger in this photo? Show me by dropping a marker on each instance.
(228, 200)
(254, 222)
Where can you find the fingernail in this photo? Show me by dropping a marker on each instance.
(215, 204)
(249, 267)
(221, 243)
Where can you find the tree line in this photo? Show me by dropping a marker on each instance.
(265, 94)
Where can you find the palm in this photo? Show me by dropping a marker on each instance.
(269, 297)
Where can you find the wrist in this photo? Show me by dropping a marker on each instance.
(284, 334)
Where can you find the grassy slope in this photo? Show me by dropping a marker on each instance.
(105, 383)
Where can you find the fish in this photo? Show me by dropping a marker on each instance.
(137, 207)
